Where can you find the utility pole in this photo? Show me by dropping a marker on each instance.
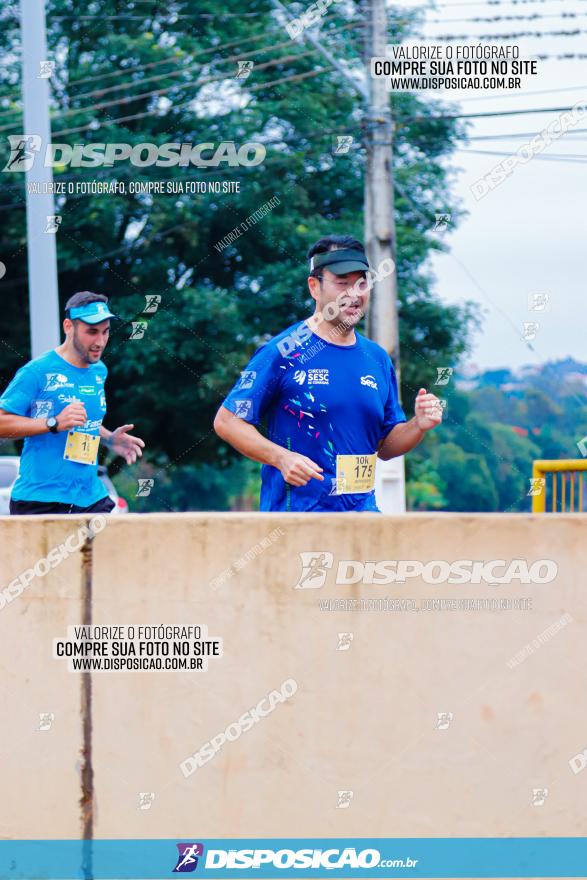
(380, 240)
(42, 252)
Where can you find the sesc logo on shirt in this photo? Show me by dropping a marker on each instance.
(314, 376)
(318, 377)
(369, 381)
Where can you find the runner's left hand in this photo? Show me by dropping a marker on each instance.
(428, 410)
(124, 444)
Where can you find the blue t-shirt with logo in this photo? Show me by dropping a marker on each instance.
(41, 389)
(322, 400)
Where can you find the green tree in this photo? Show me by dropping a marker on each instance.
(509, 459)
(424, 488)
(467, 478)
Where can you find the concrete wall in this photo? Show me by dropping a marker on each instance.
(40, 769)
(363, 719)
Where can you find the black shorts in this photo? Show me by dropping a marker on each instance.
(26, 508)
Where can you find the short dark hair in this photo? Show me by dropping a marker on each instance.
(332, 243)
(83, 298)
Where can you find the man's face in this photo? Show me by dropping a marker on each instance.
(90, 340)
(349, 295)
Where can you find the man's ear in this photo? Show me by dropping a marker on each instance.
(67, 325)
(314, 287)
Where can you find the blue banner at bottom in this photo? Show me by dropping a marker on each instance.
(294, 857)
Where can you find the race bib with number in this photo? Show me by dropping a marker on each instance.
(355, 474)
(81, 447)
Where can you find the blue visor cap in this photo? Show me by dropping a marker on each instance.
(91, 313)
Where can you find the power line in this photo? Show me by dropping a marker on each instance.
(212, 14)
(127, 85)
(147, 16)
(227, 45)
(576, 159)
(563, 56)
(95, 124)
(157, 92)
(133, 70)
(536, 16)
(523, 94)
(490, 113)
(297, 78)
(231, 58)
(204, 81)
(520, 134)
(499, 3)
(449, 38)
(151, 64)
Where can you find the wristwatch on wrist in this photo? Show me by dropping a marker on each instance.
(52, 424)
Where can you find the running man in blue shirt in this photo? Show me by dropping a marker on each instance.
(57, 403)
(328, 394)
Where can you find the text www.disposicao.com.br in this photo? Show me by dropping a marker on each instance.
(106, 664)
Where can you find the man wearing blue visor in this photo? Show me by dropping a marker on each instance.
(57, 403)
(328, 395)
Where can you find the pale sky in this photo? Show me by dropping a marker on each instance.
(529, 234)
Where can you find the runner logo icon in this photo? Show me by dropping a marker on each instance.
(53, 381)
(314, 570)
(187, 860)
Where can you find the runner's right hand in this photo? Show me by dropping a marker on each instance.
(73, 416)
(298, 469)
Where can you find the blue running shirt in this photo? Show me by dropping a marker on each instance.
(39, 390)
(322, 400)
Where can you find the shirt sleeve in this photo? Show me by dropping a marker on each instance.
(258, 386)
(393, 413)
(21, 392)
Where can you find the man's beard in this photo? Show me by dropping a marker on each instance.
(83, 352)
(345, 322)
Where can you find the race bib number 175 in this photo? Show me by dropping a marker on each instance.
(355, 473)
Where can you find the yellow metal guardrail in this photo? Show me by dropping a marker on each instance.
(570, 498)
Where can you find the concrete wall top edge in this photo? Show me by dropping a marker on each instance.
(289, 518)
